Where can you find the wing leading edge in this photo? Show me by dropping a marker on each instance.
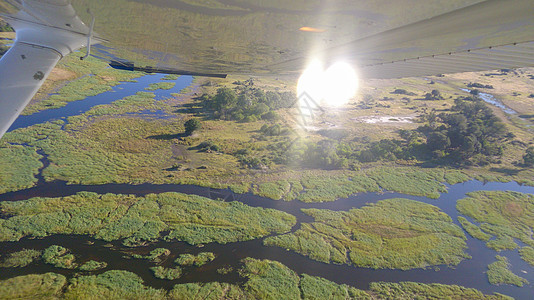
(256, 39)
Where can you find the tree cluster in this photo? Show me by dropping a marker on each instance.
(246, 103)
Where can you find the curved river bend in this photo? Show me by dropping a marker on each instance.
(469, 273)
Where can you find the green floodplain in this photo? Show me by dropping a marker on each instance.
(263, 279)
(246, 140)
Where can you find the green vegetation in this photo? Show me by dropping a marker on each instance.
(246, 103)
(93, 265)
(470, 134)
(170, 77)
(100, 79)
(528, 158)
(436, 291)
(504, 214)
(4, 27)
(313, 287)
(502, 243)
(109, 217)
(160, 86)
(113, 284)
(499, 273)
(33, 286)
(210, 290)
(394, 233)
(527, 254)
(59, 257)
(19, 165)
(473, 230)
(191, 125)
(157, 255)
(225, 270)
(269, 280)
(21, 258)
(167, 273)
(197, 260)
(264, 279)
(410, 181)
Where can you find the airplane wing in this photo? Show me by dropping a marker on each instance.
(379, 38)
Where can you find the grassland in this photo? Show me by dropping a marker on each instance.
(499, 273)
(393, 233)
(135, 220)
(59, 257)
(263, 279)
(167, 273)
(473, 230)
(34, 286)
(21, 258)
(19, 165)
(527, 254)
(111, 144)
(93, 265)
(195, 260)
(505, 215)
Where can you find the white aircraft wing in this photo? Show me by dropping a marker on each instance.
(22, 71)
(45, 32)
(380, 38)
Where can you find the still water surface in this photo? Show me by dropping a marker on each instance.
(469, 273)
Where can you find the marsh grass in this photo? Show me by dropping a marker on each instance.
(113, 284)
(19, 165)
(59, 257)
(195, 260)
(33, 286)
(93, 265)
(263, 279)
(20, 258)
(109, 217)
(435, 291)
(101, 78)
(499, 273)
(157, 255)
(394, 233)
(527, 254)
(167, 273)
(473, 230)
(160, 86)
(504, 214)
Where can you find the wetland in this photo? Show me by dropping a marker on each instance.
(105, 195)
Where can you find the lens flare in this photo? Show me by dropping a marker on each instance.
(311, 82)
(341, 84)
(335, 86)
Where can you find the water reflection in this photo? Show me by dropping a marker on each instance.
(469, 273)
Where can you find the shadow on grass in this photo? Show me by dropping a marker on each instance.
(506, 171)
(167, 136)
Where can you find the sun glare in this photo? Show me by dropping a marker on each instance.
(311, 82)
(341, 84)
(335, 86)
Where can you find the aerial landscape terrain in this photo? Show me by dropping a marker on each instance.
(117, 184)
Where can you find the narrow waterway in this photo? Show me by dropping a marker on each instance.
(117, 92)
(469, 273)
(490, 99)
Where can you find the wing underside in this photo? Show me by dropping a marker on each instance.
(23, 70)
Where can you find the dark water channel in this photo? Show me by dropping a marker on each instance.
(469, 273)
(117, 92)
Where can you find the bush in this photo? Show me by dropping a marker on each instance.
(191, 125)
(528, 158)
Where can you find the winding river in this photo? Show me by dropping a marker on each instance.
(469, 273)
